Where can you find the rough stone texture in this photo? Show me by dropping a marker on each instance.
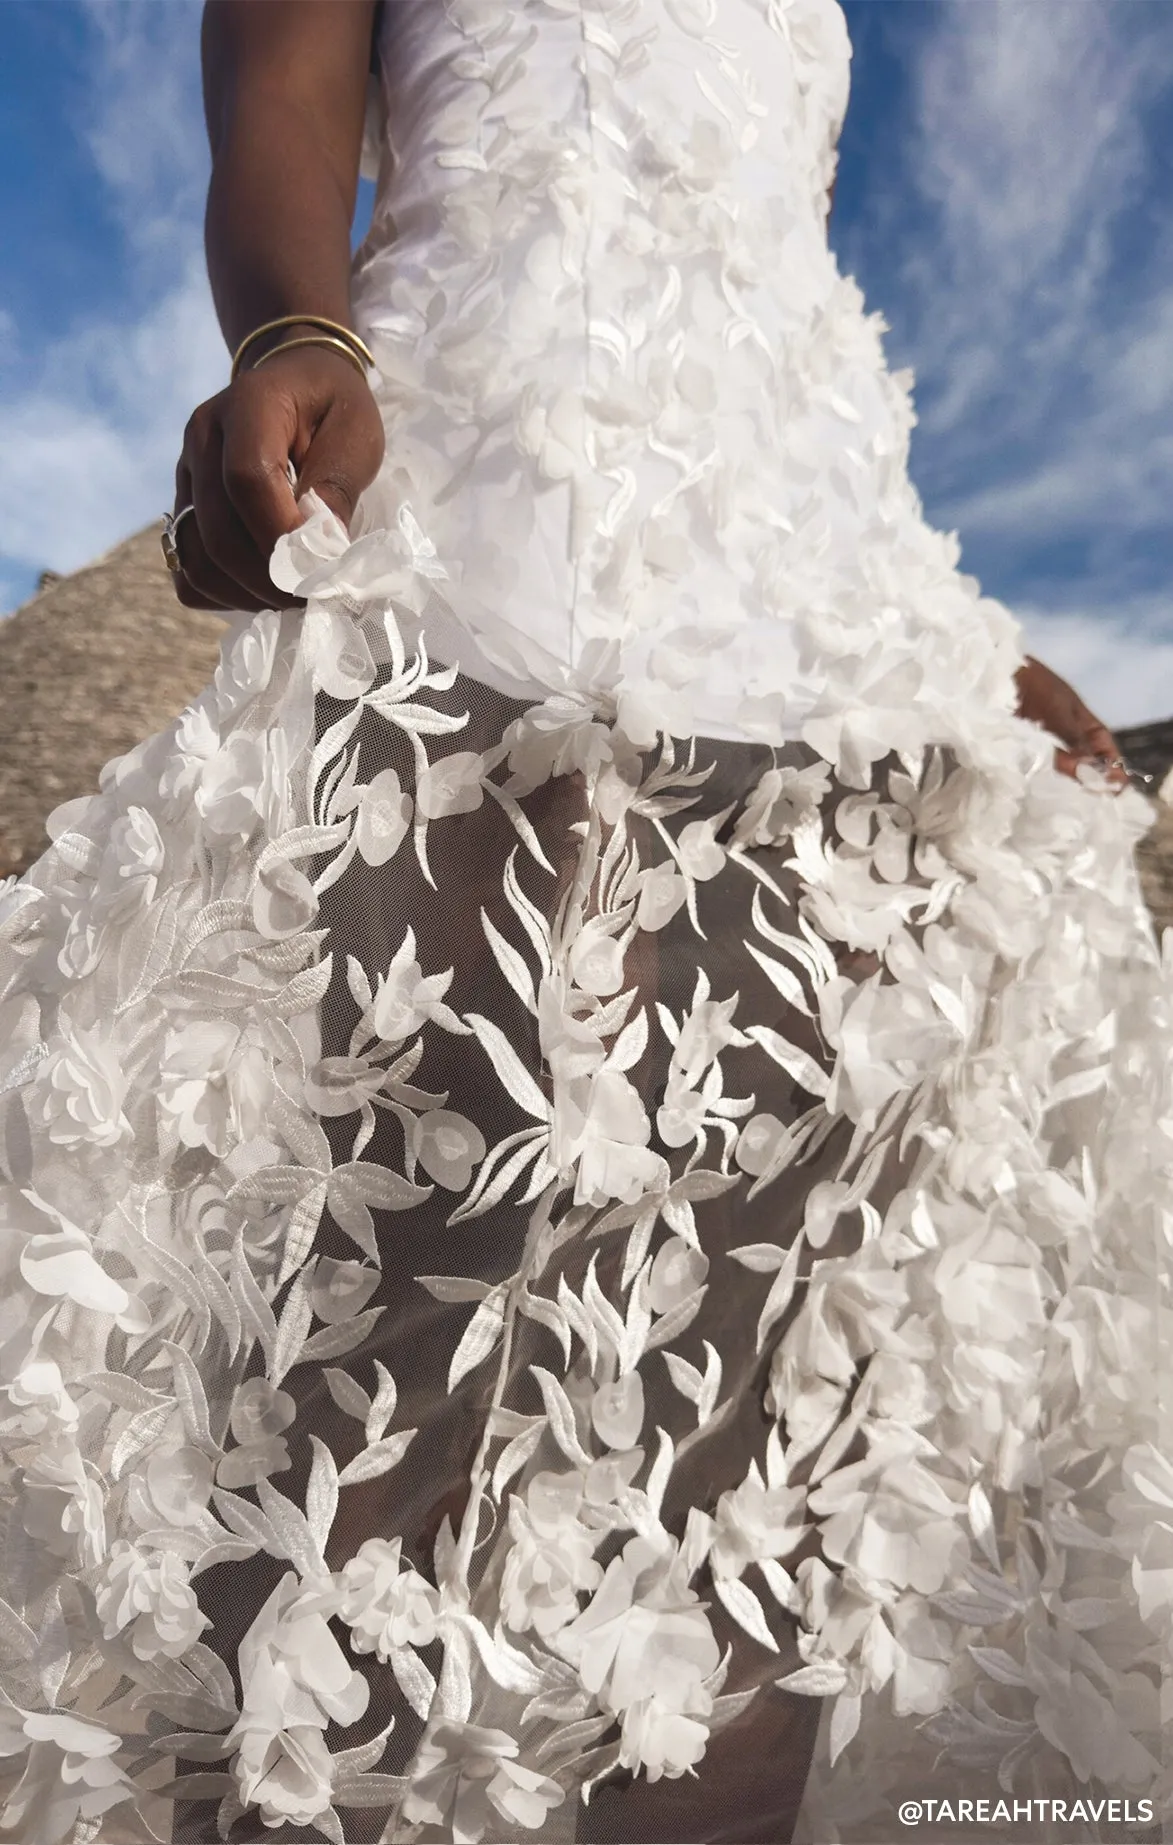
(1155, 860)
(90, 666)
(100, 659)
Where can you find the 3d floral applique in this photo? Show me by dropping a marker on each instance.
(742, 1212)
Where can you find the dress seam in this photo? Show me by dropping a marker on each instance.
(574, 549)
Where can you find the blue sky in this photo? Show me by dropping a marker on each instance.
(1004, 198)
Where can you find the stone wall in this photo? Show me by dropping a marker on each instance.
(93, 664)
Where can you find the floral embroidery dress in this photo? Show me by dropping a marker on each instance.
(586, 1140)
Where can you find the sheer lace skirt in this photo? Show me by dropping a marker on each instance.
(575, 1268)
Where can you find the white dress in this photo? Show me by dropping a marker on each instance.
(586, 1140)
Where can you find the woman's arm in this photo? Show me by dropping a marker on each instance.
(285, 92)
(1046, 699)
(284, 96)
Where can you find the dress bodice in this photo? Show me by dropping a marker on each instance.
(630, 401)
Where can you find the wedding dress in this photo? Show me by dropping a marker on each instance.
(586, 1141)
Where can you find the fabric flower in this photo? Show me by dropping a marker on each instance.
(664, 1741)
(286, 1774)
(886, 1038)
(260, 1413)
(341, 1289)
(149, 1592)
(705, 1032)
(194, 742)
(178, 1484)
(260, 1410)
(890, 1520)
(448, 1146)
(45, 1405)
(617, 1411)
(386, 1606)
(662, 893)
(246, 665)
(783, 797)
(284, 902)
(69, 1774)
(761, 1140)
(405, 999)
(614, 1161)
(131, 866)
(700, 855)
(63, 1504)
(680, 1117)
(644, 1634)
(678, 1271)
(551, 1559)
(81, 1086)
(1091, 1722)
(464, 1775)
(384, 815)
(57, 1259)
(557, 737)
(242, 785)
(295, 1679)
(452, 785)
(215, 1084)
(596, 958)
(860, 719)
(755, 1521)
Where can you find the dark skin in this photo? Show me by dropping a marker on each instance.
(284, 96)
(1046, 699)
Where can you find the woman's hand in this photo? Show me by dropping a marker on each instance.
(1046, 699)
(309, 407)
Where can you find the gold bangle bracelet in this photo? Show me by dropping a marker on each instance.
(351, 339)
(314, 339)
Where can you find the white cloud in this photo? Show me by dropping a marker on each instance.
(90, 447)
(94, 421)
(1032, 289)
(146, 133)
(1030, 147)
(1121, 665)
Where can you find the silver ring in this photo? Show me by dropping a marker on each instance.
(168, 540)
(1131, 774)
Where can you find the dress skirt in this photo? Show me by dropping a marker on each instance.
(649, 1270)
(569, 1290)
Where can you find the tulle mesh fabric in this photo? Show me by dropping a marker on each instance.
(754, 1782)
(580, 1355)
(586, 1228)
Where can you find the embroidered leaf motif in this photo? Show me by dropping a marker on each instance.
(332, 1341)
(480, 1336)
(512, 1073)
(292, 1328)
(349, 1395)
(379, 1458)
(246, 1520)
(383, 1407)
(294, 1538)
(321, 1494)
(561, 1417)
(515, 1454)
(511, 963)
(741, 1602)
